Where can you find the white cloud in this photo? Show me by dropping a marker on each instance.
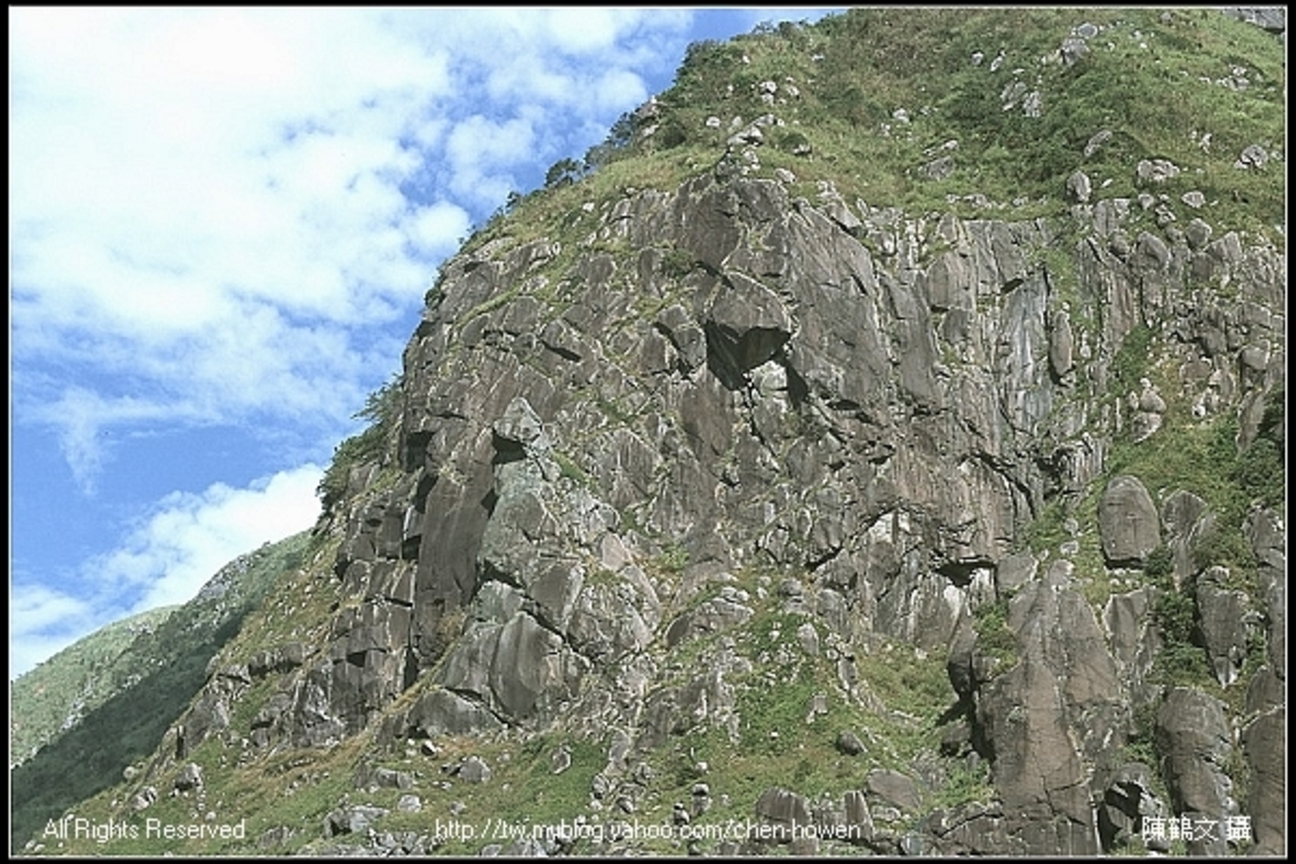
(163, 560)
(439, 226)
(229, 216)
(81, 415)
(204, 200)
(42, 622)
(190, 537)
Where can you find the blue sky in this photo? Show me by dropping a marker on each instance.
(222, 225)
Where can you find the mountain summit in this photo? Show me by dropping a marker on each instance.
(875, 446)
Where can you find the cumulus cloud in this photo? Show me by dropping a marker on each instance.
(201, 190)
(163, 560)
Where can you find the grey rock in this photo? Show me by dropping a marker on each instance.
(712, 616)
(1133, 640)
(1267, 691)
(1128, 522)
(856, 817)
(1026, 717)
(1014, 571)
(1271, 18)
(1224, 617)
(894, 788)
(849, 743)
(190, 778)
(784, 809)
(808, 637)
(474, 770)
(956, 737)
(1155, 170)
(351, 820)
(1193, 733)
(1061, 345)
(1253, 156)
(1128, 800)
(1099, 138)
(144, 799)
(1264, 741)
(1074, 49)
(938, 169)
(440, 712)
(1198, 234)
(1079, 188)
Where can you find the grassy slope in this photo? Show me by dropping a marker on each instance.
(57, 693)
(155, 678)
(853, 72)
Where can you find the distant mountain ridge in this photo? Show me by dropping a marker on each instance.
(81, 718)
(57, 693)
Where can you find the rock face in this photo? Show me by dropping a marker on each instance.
(1029, 719)
(1192, 731)
(724, 376)
(684, 463)
(751, 417)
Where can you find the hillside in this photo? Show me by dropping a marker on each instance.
(54, 696)
(875, 446)
(114, 693)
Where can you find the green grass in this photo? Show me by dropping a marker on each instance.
(994, 637)
(874, 61)
(169, 665)
(75, 681)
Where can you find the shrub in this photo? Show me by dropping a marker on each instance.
(382, 410)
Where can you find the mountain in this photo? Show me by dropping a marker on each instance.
(83, 719)
(876, 445)
(54, 696)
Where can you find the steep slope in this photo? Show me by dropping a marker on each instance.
(133, 679)
(53, 697)
(795, 476)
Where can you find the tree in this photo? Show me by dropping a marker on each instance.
(562, 173)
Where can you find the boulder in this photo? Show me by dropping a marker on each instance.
(1079, 188)
(1127, 522)
(1192, 730)
(1264, 741)
(1128, 800)
(787, 811)
(894, 788)
(1224, 617)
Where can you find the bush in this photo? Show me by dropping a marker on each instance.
(382, 408)
(993, 634)
(1160, 563)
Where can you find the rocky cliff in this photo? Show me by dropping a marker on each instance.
(716, 490)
